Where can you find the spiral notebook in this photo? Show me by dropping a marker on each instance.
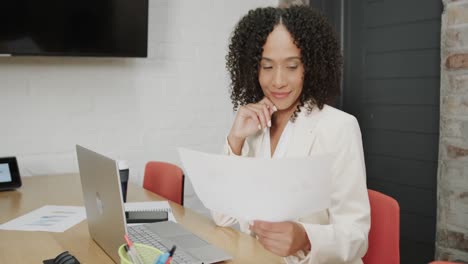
(151, 206)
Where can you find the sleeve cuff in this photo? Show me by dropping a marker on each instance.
(301, 257)
(318, 236)
(228, 151)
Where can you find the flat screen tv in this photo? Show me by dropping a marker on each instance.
(102, 28)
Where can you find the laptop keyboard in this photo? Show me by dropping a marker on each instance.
(141, 234)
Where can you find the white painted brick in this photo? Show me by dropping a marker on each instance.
(158, 33)
(451, 254)
(464, 130)
(159, 14)
(50, 163)
(455, 174)
(457, 12)
(451, 128)
(199, 35)
(454, 150)
(458, 83)
(456, 221)
(133, 109)
(185, 16)
(455, 104)
(457, 37)
(461, 207)
(159, 4)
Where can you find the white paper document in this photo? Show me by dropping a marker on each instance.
(259, 188)
(49, 218)
(151, 206)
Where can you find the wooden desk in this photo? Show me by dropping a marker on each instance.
(33, 247)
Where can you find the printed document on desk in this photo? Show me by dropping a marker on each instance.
(259, 188)
(49, 218)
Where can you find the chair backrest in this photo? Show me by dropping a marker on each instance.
(165, 179)
(444, 262)
(384, 234)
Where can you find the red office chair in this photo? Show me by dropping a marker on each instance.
(384, 234)
(443, 262)
(165, 179)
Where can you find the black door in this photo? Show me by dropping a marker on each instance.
(391, 84)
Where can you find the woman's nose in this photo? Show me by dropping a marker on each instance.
(279, 79)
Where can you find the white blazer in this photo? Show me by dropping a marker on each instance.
(338, 234)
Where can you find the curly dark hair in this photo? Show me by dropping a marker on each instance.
(312, 34)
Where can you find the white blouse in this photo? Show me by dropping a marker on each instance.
(282, 143)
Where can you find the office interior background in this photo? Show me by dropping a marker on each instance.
(405, 80)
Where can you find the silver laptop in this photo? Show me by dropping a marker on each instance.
(106, 218)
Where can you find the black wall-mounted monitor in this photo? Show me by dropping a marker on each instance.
(103, 28)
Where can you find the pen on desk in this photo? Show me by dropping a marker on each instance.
(171, 253)
(133, 252)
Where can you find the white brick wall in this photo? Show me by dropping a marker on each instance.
(452, 215)
(133, 109)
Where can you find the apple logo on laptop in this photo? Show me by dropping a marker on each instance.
(100, 207)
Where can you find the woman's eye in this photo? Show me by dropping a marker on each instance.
(292, 67)
(267, 67)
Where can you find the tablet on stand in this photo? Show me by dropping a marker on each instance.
(9, 174)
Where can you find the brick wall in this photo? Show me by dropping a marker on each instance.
(133, 109)
(452, 217)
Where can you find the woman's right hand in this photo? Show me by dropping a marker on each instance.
(249, 119)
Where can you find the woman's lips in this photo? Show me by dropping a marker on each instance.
(280, 95)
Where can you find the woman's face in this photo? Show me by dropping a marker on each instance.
(281, 72)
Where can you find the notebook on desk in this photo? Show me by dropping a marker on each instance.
(149, 207)
(106, 218)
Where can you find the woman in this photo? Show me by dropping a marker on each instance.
(285, 65)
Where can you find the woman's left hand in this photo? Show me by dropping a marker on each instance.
(281, 238)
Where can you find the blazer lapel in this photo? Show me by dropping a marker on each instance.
(303, 134)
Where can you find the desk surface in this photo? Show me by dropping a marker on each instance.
(33, 247)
